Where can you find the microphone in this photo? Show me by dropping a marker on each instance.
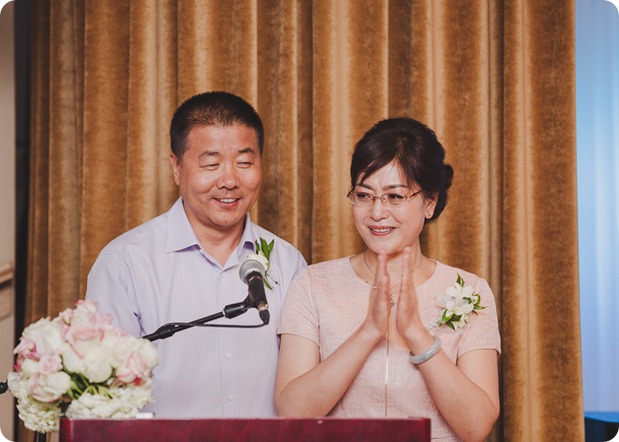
(252, 273)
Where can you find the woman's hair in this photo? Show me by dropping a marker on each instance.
(415, 147)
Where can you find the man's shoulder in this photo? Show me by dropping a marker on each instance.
(143, 235)
(268, 236)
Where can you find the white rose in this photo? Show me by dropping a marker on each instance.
(71, 360)
(29, 367)
(97, 367)
(17, 384)
(46, 335)
(50, 387)
(120, 346)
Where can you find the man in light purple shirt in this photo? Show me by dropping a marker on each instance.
(184, 265)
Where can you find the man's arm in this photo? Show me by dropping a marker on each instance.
(111, 286)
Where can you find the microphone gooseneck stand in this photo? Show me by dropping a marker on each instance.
(229, 311)
(252, 273)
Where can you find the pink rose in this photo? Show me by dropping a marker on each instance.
(49, 387)
(83, 337)
(139, 363)
(26, 349)
(49, 364)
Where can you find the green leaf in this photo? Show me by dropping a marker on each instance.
(265, 249)
(460, 281)
(270, 248)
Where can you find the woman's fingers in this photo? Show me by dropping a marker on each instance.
(381, 274)
(378, 308)
(406, 277)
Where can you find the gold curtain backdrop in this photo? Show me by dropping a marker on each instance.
(495, 79)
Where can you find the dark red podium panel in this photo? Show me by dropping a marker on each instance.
(231, 430)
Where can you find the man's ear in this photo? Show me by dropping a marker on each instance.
(175, 167)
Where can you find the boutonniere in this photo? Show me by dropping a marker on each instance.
(459, 301)
(262, 254)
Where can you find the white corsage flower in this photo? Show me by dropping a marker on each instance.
(458, 302)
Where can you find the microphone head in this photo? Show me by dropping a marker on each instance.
(251, 266)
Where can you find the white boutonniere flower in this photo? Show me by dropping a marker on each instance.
(459, 301)
(262, 254)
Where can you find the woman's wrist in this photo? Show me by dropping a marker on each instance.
(427, 354)
(417, 337)
(370, 333)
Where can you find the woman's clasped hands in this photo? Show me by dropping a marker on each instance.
(398, 302)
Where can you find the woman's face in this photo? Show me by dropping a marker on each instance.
(391, 229)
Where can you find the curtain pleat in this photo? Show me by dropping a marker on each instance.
(38, 228)
(495, 80)
(542, 371)
(151, 101)
(285, 105)
(64, 185)
(105, 155)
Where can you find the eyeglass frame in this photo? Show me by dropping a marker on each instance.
(382, 199)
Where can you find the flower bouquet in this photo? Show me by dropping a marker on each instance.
(80, 366)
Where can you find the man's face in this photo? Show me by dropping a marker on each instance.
(219, 177)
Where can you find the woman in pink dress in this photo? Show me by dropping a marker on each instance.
(390, 332)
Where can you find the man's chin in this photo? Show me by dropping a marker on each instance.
(227, 222)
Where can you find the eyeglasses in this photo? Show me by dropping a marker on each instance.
(364, 199)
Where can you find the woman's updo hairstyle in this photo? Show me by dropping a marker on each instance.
(415, 147)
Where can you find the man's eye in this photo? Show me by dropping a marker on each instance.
(245, 164)
(211, 166)
(395, 197)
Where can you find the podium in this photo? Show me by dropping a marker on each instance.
(237, 430)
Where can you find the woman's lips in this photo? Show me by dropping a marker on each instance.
(380, 230)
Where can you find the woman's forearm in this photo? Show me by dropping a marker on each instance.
(466, 394)
(311, 391)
